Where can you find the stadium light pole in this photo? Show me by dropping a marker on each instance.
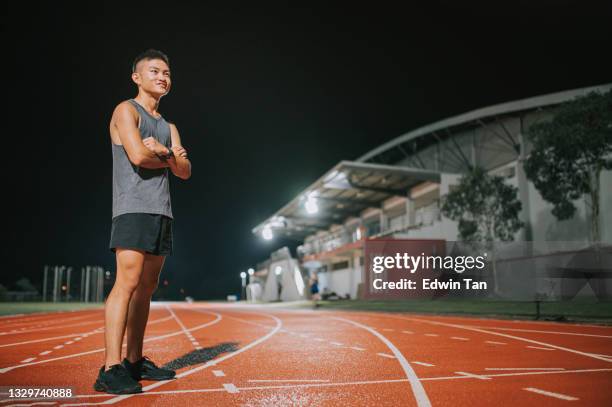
(68, 274)
(243, 277)
(45, 283)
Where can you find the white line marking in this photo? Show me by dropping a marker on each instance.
(544, 332)
(183, 327)
(218, 373)
(69, 343)
(357, 348)
(154, 338)
(27, 360)
(208, 364)
(503, 335)
(407, 332)
(538, 347)
(336, 343)
(422, 363)
(459, 338)
(288, 380)
(220, 389)
(96, 331)
(386, 355)
(524, 368)
(58, 347)
(319, 339)
(475, 376)
(496, 343)
(231, 388)
(417, 388)
(432, 335)
(551, 394)
(45, 352)
(55, 327)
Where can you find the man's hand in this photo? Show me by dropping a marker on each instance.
(155, 146)
(179, 151)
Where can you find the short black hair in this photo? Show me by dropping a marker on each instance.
(148, 55)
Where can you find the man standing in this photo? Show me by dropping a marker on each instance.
(144, 147)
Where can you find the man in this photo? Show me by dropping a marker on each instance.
(144, 147)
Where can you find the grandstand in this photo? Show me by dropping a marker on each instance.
(394, 192)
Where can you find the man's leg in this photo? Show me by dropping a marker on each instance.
(138, 313)
(129, 269)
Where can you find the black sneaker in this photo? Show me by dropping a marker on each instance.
(116, 380)
(146, 369)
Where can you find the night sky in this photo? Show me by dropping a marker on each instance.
(266, 100)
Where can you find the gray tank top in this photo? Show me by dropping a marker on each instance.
(137, 189)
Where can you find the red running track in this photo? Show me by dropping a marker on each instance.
(263, 356)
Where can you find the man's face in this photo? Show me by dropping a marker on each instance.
(153, 76)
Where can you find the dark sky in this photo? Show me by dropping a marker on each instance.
(266, 100)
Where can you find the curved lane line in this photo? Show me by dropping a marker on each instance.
(417, 388)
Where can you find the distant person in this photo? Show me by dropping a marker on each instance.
(144, 146)
(314, 288)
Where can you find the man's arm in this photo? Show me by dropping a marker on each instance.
(137, 152)
(179, 163)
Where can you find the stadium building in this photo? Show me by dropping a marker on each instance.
(394, 191)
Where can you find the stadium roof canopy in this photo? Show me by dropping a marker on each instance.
(408, 143)
(343, 191)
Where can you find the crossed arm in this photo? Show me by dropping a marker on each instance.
(146, 153)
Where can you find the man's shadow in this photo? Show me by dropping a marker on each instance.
(201, 356)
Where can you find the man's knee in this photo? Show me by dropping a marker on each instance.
(149, 285)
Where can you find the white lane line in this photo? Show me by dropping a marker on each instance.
(154, 338)
(459, 338)
(337, 343)
(68, 343)
(319, 339)
(524, 368)
(206, 365)
(288, 380)
(220, 389)
(357, 348)
(475, 376)
(496, 343)
(422, 363)
(386, 355)
(415, 384)
(178, 321)
(231, 388)
(543, 332)
(551, 394)
(47, 322)
(407, 332)
(538, 347)
(518, 338)
(27, 360)
(58, 347)
(432, 335)
(218, 373)
(54, 327)
(45, 352)
(95, 331)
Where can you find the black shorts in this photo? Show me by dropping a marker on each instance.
(144, 231)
